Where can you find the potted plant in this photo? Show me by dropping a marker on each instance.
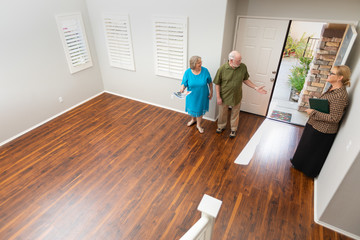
(297, 77)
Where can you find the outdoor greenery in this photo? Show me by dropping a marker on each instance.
(295, 47)
(299, 73)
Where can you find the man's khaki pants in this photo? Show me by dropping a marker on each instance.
(234, 118)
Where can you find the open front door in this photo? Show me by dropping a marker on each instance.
(260, 42)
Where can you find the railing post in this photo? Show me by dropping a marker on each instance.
(203, 228)
(209, 207)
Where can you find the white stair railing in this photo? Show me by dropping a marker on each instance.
(203, 228)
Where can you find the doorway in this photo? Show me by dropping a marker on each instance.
(301, 42)
(274, 49)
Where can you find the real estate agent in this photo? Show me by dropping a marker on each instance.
(321, 128)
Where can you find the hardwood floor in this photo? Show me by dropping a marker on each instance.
(114, 168)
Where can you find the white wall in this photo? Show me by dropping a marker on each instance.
(298, 28)
(228, 35)
(205, 36)
(33, 68)
(336, 189)
(229, 30)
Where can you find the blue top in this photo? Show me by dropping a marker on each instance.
(197, 102)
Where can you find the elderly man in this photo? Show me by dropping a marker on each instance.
(228, 84)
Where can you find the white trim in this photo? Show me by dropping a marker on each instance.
(302, 19)
(316, 218)
(57, 115)
(247, 153)
(156, 105)
(315, 201)
(47, 120)
(348, 47)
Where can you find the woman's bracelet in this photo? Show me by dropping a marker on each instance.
(256, 88)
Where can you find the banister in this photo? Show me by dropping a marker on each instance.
(203, 228)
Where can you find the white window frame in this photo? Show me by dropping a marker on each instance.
(72, 33)
(118, 41)
(170, 46)
(346, 45)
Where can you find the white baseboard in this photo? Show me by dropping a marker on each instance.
(55, 116)
(47, 120)
(324, 224)
(247, 153)
(157, 105)
(337, 229)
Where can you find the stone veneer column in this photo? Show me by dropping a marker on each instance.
(320, 67)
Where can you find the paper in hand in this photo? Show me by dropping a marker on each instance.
(181, 95)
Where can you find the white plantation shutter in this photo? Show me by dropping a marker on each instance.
(72, 33)
(118, 40)
(170, 43)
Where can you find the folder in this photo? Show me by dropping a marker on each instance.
(321, 105)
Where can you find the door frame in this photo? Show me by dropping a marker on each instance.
(287, 33)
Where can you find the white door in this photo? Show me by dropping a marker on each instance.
(260, 43)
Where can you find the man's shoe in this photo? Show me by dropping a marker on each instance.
(232, 134)
(219, 130)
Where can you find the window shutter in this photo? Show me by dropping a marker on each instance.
(73, 37)
(170, 43)
(118, 41)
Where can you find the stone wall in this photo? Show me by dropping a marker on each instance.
(324, 58)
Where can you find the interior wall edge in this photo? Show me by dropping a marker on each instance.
(47, 120)
(329, 226)
(156, 105)
(354, 22)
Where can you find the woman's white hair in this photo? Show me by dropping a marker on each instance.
(193, 60)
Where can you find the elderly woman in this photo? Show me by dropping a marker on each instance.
(197, 80)
(321, 128)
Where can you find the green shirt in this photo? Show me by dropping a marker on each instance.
(230, 81)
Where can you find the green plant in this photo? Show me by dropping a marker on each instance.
(296, 47)
(298, 73)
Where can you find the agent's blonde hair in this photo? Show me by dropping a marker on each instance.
(193, 60)
(345, 72)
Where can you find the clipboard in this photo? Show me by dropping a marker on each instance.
(321, 105)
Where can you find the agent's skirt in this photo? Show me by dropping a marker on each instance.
(312, 151)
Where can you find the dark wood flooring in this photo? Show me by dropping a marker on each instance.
(114, 168)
